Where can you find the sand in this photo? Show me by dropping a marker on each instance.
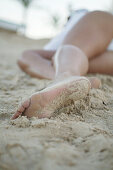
(78, 136)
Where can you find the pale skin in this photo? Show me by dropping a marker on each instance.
(82, 51)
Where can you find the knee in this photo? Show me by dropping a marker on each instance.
(65, 47)
(68, 47)
(103, 21)
(102, 14)
(102, 25)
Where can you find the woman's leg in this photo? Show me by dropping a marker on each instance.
(92, 38)
(92, 35)
(102, 64)
(64, 66)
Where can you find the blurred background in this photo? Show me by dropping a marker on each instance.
(43, 18)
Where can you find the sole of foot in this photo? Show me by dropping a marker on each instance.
(37, 67)
(43, 104)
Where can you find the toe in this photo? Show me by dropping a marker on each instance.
(95, 82)
(21, 109)
(16, 115)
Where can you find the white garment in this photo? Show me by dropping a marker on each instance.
(55, 42)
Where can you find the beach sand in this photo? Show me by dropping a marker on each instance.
(78, 136)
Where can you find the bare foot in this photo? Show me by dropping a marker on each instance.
(43, 104)
(95, 82)
(36, 66)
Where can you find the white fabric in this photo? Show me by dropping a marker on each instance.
(56, 42)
